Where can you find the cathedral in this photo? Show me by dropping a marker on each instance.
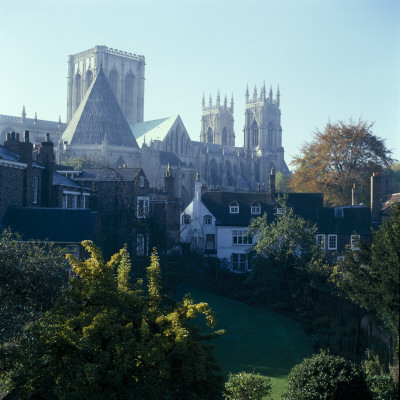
(105, 107)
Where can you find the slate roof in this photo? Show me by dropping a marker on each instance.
(218, 202)
(9, 155)
(355, 219)
(53, 224)
(62, 180)
(149, 131)
(167, 157)
(98, 118)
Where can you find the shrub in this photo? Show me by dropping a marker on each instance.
(246, 386)
(326, 377)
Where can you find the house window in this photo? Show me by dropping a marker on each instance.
(321, 241)
(241, 237)
(354, 242)
(339, 212)
(64, 201)
(140, 249)
(234, 209)
(141, 181)
(83, 202)
(186, 219)
(142, 207)
(279, 211)
(332, 242)
(74, 201)
(72, 249)
(239, 262)
(255, 209)
(210, 242)
(35, 184)
(207, 220)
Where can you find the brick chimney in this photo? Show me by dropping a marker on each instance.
(24, 149)
(376, 182)
(272, 186)
(45, 157)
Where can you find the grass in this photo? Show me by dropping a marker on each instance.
(256, 340)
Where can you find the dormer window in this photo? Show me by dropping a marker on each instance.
(207, 220)
(255, 209)
(234, 208)
(141, 181)
(280, 211)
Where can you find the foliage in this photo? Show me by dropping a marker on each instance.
(33, 275)
(371, 275)
(83, 162)
(344, 154)
(282, 182)
(108, 339)
(395, 174)
(246, 386)
(379, 381)
(327, 377)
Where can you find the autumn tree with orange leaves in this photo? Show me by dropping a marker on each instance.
(345, 153)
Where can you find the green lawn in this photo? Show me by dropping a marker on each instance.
(256, 340)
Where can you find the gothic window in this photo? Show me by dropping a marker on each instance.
(78, 88)
(182, 144)
(254, 133)
(89, 79)
(129, 82)
(270, 134)
(214, 173)
(113, 80)
(224, 137)
(209, 135)
(228, 172)
(177, 141)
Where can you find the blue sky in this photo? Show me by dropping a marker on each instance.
(333, 60)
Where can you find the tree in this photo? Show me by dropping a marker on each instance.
(370, 276)
(246, 386)
(395, 173)
(107, 339)
(83, 162)
(328, 377)
(342, 155)
(33, 274)
(282, 182)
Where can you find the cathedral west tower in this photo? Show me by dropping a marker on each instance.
(124, 72)
(217, 123)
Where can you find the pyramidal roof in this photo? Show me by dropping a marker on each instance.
(99, 118)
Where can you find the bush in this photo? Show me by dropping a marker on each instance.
(326, 377)
(246, 386)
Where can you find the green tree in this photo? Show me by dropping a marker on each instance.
(282, 182)
(246, 386)
(107, 339)
(326, 377)
(370, 276)
(33, 275)
(395, 173)
(343, 154)
(80, 163)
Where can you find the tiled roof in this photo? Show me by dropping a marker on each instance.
(52, 224)
(149, 131)
(9, 155)
(99, 118)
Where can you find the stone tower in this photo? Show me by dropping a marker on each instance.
(125, 74)
(217, 123)
(262, 130)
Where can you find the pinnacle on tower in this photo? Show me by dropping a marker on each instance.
(278, 96)
(255, 93)
(217, 104)
(23, 113)
(203, 103)
(247, 93)
(262, 94)
(225, 103)
(232, 103)
(210, 102)
(270, 93)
